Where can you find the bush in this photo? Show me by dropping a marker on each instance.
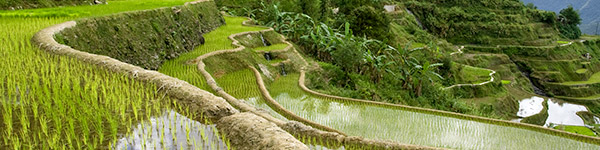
(569, 19)
(367, 21)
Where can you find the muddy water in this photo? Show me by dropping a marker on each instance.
(171, 131)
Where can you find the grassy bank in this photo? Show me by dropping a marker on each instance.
(215, 40)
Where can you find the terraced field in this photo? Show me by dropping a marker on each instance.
(56, 102)
(41, 91)
(382, 123)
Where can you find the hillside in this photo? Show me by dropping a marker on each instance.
(588, 9)
(486, 22)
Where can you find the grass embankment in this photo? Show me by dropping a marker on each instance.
(271, 48)
(592, 80)
(56, 102)
(577, 129)
(215, 40)
(472, 75)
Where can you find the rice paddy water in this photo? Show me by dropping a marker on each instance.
(559, 112)
(411, 127)
(172, 131)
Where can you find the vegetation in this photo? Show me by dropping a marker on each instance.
(215, 40)
(271, 48)
(56, 102)
(507, 22)
(27, 4)
(127, 37)
(577, 129)
(569, 20)
(592, 80)
(471, 75)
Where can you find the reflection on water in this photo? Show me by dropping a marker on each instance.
(559, 112)
(171, 131)
(409, 127)
(530, 107)
(261, 105)
(564, 113)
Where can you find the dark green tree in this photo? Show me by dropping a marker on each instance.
(311, 7)
(569, 19)
(367, 21)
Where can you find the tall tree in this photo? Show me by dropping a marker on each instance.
(569, 20)
(311, 8)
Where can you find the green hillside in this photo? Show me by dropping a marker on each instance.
(487, 22)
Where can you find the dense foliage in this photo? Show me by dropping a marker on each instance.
(356, 63)
(569, 19)
(126, 37)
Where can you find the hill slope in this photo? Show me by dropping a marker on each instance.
(587, 9)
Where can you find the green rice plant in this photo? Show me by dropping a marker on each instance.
(215, 40)
(505, 82)
(576, 129)
(386, 123)
(581, 71)
(57, 102)
(562, 42)
(471, 75)
(273, 47)
(242, 84)
(595, 78)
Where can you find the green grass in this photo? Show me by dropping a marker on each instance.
(581, 71)
(593, 97)
(562, 42)
(95, 10)
(506, 82)
(417, 45)
(215, 40)
(56, 102)
(273, 47)
(472, 75)
(592, 80)
(577, 129)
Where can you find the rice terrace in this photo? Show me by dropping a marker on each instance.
(299, 74)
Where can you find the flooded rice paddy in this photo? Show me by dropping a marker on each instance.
(409, 127)
(172, 131)
(559, 112)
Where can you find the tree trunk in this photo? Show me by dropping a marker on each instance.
(419, 87)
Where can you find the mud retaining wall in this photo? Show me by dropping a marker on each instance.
(145, 38)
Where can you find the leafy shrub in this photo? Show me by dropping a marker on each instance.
(366, 21)
(569, 19)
